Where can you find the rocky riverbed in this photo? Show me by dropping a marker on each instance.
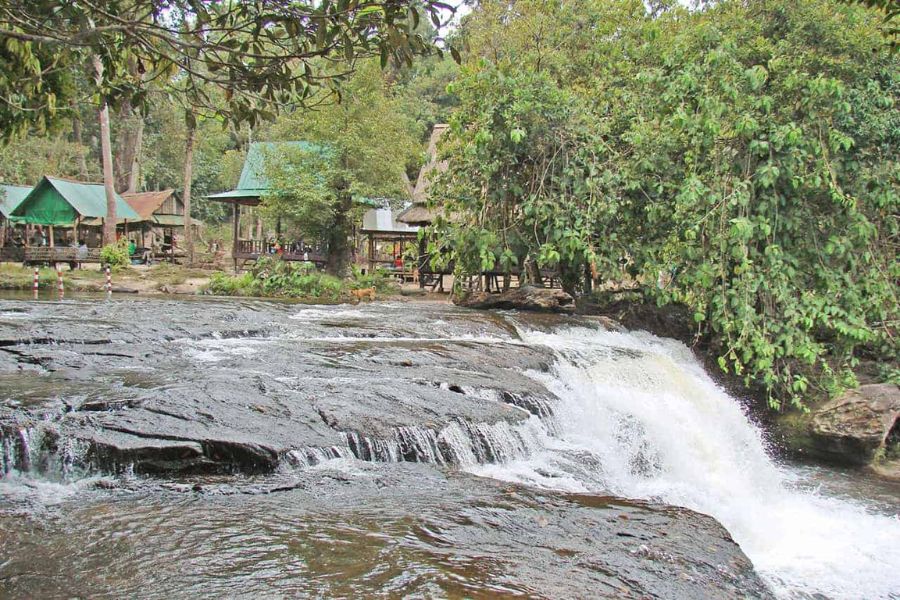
(155, 447)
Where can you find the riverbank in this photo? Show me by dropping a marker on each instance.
(156, 279)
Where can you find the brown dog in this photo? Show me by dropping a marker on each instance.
(363, 294)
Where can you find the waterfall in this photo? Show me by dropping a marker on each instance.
(639, 418)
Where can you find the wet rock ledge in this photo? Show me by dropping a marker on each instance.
(159, 387)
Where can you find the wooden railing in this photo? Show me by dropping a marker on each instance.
(253, 249)
(49, 255)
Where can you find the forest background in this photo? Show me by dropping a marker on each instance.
(738, 159)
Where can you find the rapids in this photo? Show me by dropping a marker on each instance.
(653, 425)
(554, 450)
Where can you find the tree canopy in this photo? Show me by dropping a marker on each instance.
(360, 148)
(741, 160)
(262, 55)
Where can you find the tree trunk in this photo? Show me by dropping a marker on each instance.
(531, 272)
(127, 159)
(134, 178)
(77, 137)
(188, 176)
(338, 247)
(109, 224)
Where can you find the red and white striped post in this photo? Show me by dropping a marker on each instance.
(108, 280)
(59, 279)
(34, 285)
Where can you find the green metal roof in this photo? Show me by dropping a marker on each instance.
(55, 201)
(253, 182)
(11, 196)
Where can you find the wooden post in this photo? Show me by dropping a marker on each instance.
(421, 263)
(50, 227)
(371, 253)
(236, 216)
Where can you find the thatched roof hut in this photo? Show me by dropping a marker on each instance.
(419, 213)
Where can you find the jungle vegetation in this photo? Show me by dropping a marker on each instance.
(738, 158)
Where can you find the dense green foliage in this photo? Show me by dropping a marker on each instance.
(275, 278)
(259, 55)
(116, 255)
(742, 160)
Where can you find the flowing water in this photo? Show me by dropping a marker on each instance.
(280, 437)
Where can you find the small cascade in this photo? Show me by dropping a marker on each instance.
(37, 449)
(460, 443)
(310, 457)
(536, 405)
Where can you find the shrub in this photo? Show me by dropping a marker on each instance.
(116, 255)
(222, 284)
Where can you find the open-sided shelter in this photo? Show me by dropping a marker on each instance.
(57, 202)
(385, 236)
(10, 198)
(252, 186)
(162, 217)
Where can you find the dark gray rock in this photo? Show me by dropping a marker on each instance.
(461, 536)
(156, 386)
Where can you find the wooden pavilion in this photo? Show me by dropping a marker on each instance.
(381, 229)
(11, 197)
(252, 186)
(162, 219)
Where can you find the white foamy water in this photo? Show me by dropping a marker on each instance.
(218, 349)
(640, 418)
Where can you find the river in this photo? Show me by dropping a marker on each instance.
(161, 448)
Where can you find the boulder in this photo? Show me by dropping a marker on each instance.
(849, 429)
(526, 297)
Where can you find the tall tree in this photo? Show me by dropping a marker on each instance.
(109, 223)
(359, 150)
(263, 55)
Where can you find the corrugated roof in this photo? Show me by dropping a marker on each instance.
(253, 175)
(11, 196)
(253, 182)
(146, 203)
(382, 220)
(86, 199)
